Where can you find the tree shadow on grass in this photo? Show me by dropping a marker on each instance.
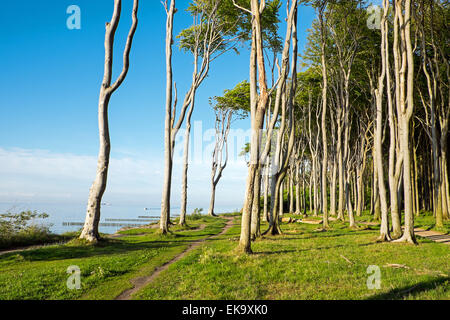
(265, 253)
(297, 250)
(404, 292)
(335, 235)
(104, 248)
(109, 246)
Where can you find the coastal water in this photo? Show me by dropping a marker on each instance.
(70, 217)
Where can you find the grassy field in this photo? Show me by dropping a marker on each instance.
(303, 263)
(105, 268)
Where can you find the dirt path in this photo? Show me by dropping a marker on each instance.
(141, 282)
(432, 235)
(427, 234)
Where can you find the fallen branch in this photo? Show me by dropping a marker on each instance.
(395, 265)
(347, 259)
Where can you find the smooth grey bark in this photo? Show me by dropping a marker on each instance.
(291, 191)
(207, 46)
(281, 201)
(348, 180)
(334, 168)
(404, 112)
(379, 91)
(297, 188)
(184, 172)
(255, 230)
(324, 119)
(208, 39)
(361, 168)
(395, 159)
(90, 228)
(167, 182)
(258, 105)
(286, 95)
(266, 191)
(219, 160)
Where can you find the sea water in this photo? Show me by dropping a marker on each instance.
(70, 216)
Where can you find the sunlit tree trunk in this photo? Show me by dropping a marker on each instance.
(90, 228)
(266, 191)
(384, 228)
(258, 106)
(404, 111)
(184, 173)
(167, 182)
(297, 188)
(255, 231)
(324, 120)
(395, 159)
(291, 191)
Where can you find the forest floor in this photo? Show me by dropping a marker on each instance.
(303, 263)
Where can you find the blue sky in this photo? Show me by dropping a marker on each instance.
(49, 85)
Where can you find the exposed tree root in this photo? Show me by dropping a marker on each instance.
(407, 238)
(243, 250)
(90, 237)
(395, 236)
(274, 230)
(384, 238)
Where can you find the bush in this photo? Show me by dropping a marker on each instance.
(20, 229)
(196, 215)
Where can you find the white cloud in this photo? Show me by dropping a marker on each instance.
(45, 176)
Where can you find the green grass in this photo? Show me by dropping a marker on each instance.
(425, 220)
(105, 268)
(306, 264)
(300, 264)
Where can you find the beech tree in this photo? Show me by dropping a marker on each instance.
(215, 30)
(219, 155)
(90, 228)
(258, 106)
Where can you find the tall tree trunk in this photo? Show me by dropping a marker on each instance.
(255, 231)
(384, 228)
(333, 189)
(316, 188)
(349, 204)
(395, 160)
(444, 170)
(167, 184)
(186, 163)
(405, 112)
(416, 181)
(291, 192)
(266, 191)
(297, 188)
(324, 121)
(212, 200)
(258, 106)
(341, 173)
(281, 202)
(90, 228)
